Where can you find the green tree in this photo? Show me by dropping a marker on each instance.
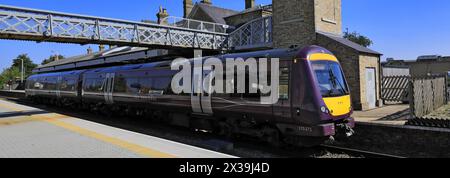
(28, 64)
(358, 38)
(52, 58)
(9, 74)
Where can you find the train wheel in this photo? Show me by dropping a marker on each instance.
(106, 111)
(306, 142)
(272, 136)
(225, 130)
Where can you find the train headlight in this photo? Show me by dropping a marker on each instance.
(324, 109)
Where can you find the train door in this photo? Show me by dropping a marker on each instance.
(207, 92)
(108, 88)
(58, 87)
(201, 100)
(80, 87)
(282, 109)
(195, 95)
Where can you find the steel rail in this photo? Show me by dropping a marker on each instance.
(368, 154)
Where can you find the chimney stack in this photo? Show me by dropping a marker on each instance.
(187, 6)
(249, 4)
(206, 2)
(162, 14)
(89, 50)
(101, 48)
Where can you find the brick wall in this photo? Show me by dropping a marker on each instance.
(293, 23)
(409, 141)
(328, 16)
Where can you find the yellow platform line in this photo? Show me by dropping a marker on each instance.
(143, 151)
(118, 142)
(25, 119)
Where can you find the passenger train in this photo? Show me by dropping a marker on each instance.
(314, 102)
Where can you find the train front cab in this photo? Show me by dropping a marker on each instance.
(321, 102)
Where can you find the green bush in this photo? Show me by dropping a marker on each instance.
(9, 74)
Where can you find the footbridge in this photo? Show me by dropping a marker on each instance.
(19, 23)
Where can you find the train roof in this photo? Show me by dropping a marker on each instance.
(115, 56)
(127, 67)
(278, 53)
(75, 72)
(282, 52)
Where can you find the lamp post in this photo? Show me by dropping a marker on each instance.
(21, 79)
(56, 54)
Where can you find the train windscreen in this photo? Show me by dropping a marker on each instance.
(330, 78)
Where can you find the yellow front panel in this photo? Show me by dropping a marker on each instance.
(338, 106)
(322, 56)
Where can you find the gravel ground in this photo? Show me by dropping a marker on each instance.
(443, 112)
(335, 155)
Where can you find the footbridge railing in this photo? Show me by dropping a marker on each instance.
(19, 23)
(37, 25)
(252, 35)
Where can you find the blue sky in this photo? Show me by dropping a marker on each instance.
(403, 29)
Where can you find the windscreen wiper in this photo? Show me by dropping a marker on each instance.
(336, 81)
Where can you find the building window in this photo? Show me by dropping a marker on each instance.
(284, 83)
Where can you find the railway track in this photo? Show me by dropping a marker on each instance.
(356, 152)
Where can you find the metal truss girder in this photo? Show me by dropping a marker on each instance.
(37, 25)
(254, 34)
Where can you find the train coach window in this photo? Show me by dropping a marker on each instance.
(30, 83)
(146, 85)
(68, 85)
(38, 84)
(162, 85)
(133, 85)
(99, 84)
(87, 84)
(50, 84)
(284, 83)
(94, 85)
(71, 84)
(120, 85)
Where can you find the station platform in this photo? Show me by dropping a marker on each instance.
(387, 115)
(12, 93)
(27, 132)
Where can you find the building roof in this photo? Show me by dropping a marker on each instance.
(109, 57)
(217, 14)
(349, 43)
(95, 55)
(267, 8)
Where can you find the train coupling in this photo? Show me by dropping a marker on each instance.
(346, 129)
